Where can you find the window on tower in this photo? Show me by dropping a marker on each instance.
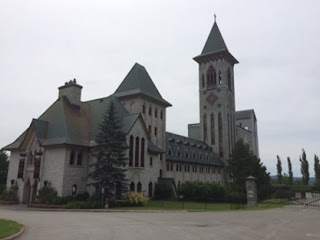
(205, 132)
(220, 77)
(213, 139)
(229, 80)
(202, 80)
(211, 77)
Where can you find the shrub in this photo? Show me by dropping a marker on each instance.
(236, 197)
(2, 188)
(282, 193)
(162, 191)
(82, 196)
(136, 199)
(10, 194)
(47, 194)
(83, 205)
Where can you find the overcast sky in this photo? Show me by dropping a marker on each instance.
(43, 44)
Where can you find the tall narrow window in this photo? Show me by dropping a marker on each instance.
(213, 137)
(150, 161)
(132, 187)
(202, 80)
(229, 80)
(150, 190)
(143, 108)
(220, 77)
(205, 132)
(79, 159)
(131, 152)
(155, 131)
(71, 159)
(156, 113)
(139, 187)
(220, 135)
(136, 160)
(211, 77)
(149, 129)
(142, 152)
(150, 111)
(161, 115)
(229, 133)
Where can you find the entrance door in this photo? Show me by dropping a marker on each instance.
(26, 192)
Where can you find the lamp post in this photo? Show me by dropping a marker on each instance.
(102, 200)
(182, 202)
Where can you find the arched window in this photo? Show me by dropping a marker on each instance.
(220, 135)
(211, 77)
(136, 160)
(220, 77)
(150, 190)
(213, 137)
(229, 133)
(142, 152)
(131, 151)
(205, 133)
(187, 154)
(79, 159)
(71, 159)
(202, 80)
(139, 187)
(229, 79)
(30, 158)
(132, 187)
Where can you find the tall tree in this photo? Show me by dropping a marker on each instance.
(4, 164)
(279, 170)
(242, 164)
(109, 169)
(304, 164)
(316, 168)
(290, 171)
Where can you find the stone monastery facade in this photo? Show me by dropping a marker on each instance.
(57, 146)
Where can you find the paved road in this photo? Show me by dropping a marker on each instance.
(285, 223)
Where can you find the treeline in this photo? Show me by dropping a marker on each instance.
(287, 178)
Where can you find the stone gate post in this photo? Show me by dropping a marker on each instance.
(251, 187)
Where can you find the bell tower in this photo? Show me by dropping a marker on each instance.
(216, 93)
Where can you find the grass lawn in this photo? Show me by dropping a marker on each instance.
(8, 228)
(192, 206)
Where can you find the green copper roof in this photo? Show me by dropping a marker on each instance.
(138, 81)
(215, 41)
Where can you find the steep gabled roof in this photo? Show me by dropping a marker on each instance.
(138, 81)
(215, 46)
(215, 41)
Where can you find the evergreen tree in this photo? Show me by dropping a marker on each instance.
(279, 170)
(290, 171)
(4, 164)
(316, 168)
(109, 169)
(242, 164)
(304, 168)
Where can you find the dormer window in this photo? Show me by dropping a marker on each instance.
(179, 153)
(170, 152)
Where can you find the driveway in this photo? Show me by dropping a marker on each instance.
(284, 223)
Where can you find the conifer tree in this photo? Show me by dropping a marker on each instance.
(279, 170)
(4, 164)
(304, 168)
(316, 168)
(242, 164)
(109, 168)
(290, 171)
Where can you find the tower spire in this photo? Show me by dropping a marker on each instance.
(215, 17)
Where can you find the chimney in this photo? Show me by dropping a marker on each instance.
(72, 91)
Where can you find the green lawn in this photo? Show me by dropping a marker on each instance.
(8, 228)
(192, 206)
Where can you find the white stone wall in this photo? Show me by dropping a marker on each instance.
(53, 167)
(75, 174)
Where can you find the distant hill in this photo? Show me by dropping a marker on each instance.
(312, 179)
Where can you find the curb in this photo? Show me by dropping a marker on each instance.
(14, 236)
